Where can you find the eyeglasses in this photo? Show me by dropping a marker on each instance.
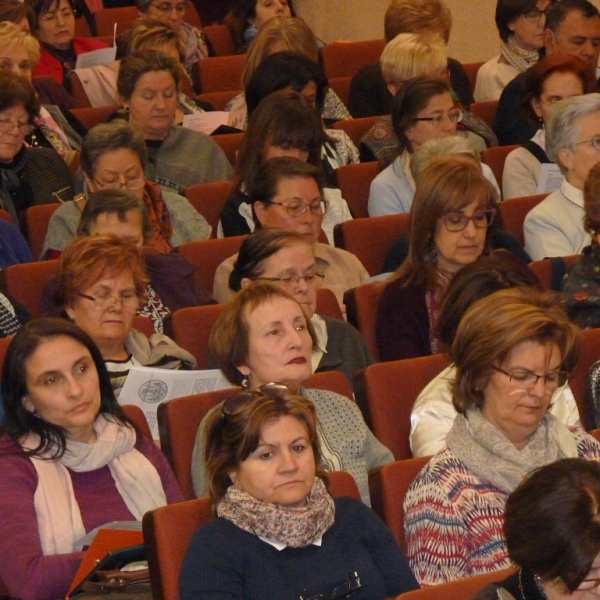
(292, 279)
(166, 9)
(455, 116)
(296, 208)
(588, 584)
(7, 126)
(235, 404)
(346, 589)
(65, 13)
(535, 14)
(595, 141)
(456, 221)
(525, 380)
(130, 184)
(128, 300)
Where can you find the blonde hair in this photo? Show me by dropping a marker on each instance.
(409, 55)
(417, 16)
(13, 37)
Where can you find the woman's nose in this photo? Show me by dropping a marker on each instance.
(470, 231)
(74, 388)
(288, 462)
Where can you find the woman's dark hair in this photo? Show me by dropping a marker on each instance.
(15, 11)
(284, 70)
(18, 421)
(141, 62)
(410, 100)
(552, 521)
(591, 201)
(256, 249)
(16, 91)
(40, 7)
(536, 76)
(285, 119)
(508, 11)
(499, 271)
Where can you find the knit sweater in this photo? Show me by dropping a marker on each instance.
(453, 518)
(223, 561)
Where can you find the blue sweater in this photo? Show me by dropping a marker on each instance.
(223, 561)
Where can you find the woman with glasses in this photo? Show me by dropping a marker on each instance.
(54, 27)
(453, 209)
(101, 285)
(512, 350)
(553, 535)
(552, 79)
(520, 24)
(263, 335)
(70, 459)
(423, 110)
(114, 156)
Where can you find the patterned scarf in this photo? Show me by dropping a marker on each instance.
(432, 301)
(52, 132)
(159, 218)
(493, 457)
(295, 527)
(9, 323)
(518, 57)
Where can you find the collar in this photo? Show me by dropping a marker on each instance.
(572, 193)
(319, 249)
(540, 138)
(281, 546)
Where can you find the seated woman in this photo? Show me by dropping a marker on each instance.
(101, 285)
(269, 491)
(18, 13)
(54, 27)
(68, 453)
(177, 157)
(283, 34)
(453, 209)
(553, 535)
(28, 176)
(512, 350)
(288, 260)
(115, 156)
(263, 335)
(433, 413)
(553, 78)
(284, 124)
(520, 24)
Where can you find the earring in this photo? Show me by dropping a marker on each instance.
(245, 382)
(36, 414)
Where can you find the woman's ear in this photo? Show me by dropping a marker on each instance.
(244, 370)
(245, 282)
(28, 404)
(233, 477)
(260, 209)
(70, 313)
(565, 155)
(536, 105)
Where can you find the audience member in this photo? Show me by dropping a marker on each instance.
(288, 193)
(572, 28)
(18, 13)
(555, 226)
(13, 247)
(521, 27)
(66, 472)
(512, 350)
(453, 208)
(554, 78)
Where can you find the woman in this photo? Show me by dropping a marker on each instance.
(288, 260)
(269, 491)
(553, 78)
(148, 86)
(18, 13)
(552, 534)
(248, 16)
(114, 156)
(423, 110)
(453, 209)
(54, 27)
(263, 335)
(101, 285)
(195, 42)
(520, 24)
(284, 124)
(283, 34)
(433, 413)
(68, 453)
(28, 176)
(512, 350)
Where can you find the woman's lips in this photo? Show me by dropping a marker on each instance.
(300, 360)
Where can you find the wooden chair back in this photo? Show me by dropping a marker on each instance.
(486, 111)
(544, 272)
(92, 115)
(578, 382)
(136, 414)
(221, 73)
(25, 283)
(230, 144)
(341, 86)
(106, 18)
(495, 158)
(471, 70)
(513, 212)
(209, 199)
(344, 59)
(354, 182)
(37, 219)
(219, 99)
(221, 39)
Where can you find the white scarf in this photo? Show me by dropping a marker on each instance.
(58, 515)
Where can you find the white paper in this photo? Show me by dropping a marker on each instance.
(102, 56)
(206, 122)
(550, 178)
(147, 388)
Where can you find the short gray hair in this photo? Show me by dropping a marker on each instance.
(453, 144)
(562, 130)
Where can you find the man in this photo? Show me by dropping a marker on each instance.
(572, 27)
(288, 193)
(369, 94)
(555, 226)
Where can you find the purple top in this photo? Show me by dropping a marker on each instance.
(24, 570)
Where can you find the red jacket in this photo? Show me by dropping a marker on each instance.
(50, 66)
